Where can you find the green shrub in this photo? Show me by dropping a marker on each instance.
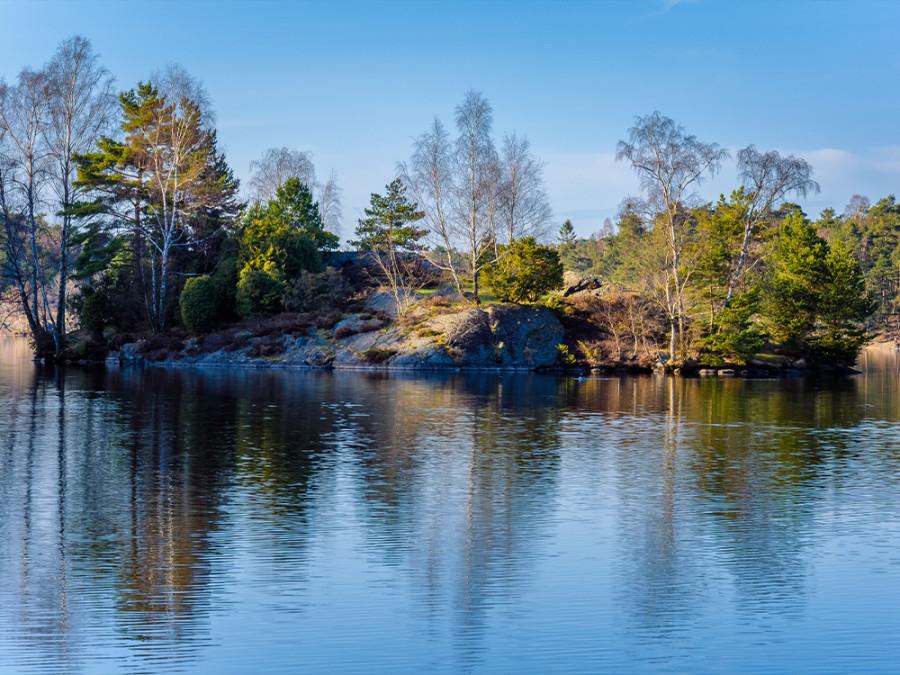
(199, 304)
(258, 294)
(524, 271)
(311, 291)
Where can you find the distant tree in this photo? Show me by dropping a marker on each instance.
(391, 239)
(429, 176)
(670, 163)
(477, 178)
(269, 172)
(473, 197)
(524, 271)
(566, 235)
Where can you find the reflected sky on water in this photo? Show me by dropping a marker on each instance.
(218, 521)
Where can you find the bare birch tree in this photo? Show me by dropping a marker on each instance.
(168, 142)
(22, 110)
(524, 206)
(670, 163)
(477, 182)
(80, 107)
(768, 177)
(429, 177)
(269, 172)
(329, 194)
(473, 197)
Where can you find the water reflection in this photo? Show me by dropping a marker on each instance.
(165, 520)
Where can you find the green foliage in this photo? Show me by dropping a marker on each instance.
(566, 235)
(270, 246)
(563, 355)
(388, 222)
(199, 304)
(818, 298)
(93, 312)
(737, 337)
(284, 237)
(716, 246)
(524, 271)
(258, 294)
(312, 291)
(225, 280)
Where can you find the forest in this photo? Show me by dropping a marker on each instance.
(122, 220)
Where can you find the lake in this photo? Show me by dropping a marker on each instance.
(225, 521)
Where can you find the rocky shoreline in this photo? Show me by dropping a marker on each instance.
(495, 337)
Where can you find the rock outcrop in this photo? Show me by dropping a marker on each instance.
(492, 337)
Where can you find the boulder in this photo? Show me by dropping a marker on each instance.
(576, 283)
(500, 336)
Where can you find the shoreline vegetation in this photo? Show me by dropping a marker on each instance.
(121, 218)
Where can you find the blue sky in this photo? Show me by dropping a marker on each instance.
(353, 82)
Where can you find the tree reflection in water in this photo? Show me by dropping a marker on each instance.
(458, 521)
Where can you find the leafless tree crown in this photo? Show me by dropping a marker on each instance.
(174, 83)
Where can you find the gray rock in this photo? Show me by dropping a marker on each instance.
(384, 301)
(501, 335)
(576, 283)
(129, 355)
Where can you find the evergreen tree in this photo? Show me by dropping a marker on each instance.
(391, 239)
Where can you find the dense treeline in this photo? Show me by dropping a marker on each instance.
(123, 208)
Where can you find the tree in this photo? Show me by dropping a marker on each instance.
(524, 207)
(524, 271)
(166, 181)
(174, 150)
(269, 172)
(391, 239)
(670, 163)
(429, 177)
(284, 236)
(477, 181)
(277, 165)
(817, 300)
(566, 235)
(474, 198)
(768, 178)
(79, 109)
(22, 111)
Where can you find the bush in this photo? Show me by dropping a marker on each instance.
(312, 291)
(524, 271)
(199, 306)
(225, 280)
(377, 355)
(258, 294)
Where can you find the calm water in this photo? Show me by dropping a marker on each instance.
(304, 522)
